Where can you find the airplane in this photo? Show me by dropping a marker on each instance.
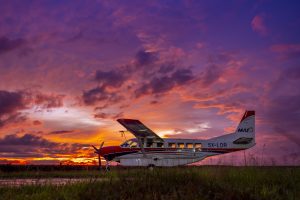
(150, 150)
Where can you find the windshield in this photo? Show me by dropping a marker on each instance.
(132, 143)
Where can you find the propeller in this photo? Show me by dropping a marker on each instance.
(98, 151)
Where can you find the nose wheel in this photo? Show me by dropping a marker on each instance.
(107, 167)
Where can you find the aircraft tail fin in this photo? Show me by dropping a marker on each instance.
(242, 138)
(245, 131)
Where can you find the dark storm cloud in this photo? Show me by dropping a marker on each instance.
(30, 145)
(13, 102)
(27, 139)
(144, 58)
(158, 78)
(10, 102)
(110, 78)
(99, 94)
(159, 85)
(182, 76)
(7, 44)
(61, 132)
(93, 95)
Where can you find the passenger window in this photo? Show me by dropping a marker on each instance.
(180, 145)
(189, 145)
(149, 144)
(198, 146)
(171, 145)
(160, 144)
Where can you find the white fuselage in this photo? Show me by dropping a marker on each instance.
(174, 152)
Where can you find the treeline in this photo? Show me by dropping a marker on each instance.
(16, 168)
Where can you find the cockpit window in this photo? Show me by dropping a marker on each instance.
(133, 145)
(129, 143)
(125, 144)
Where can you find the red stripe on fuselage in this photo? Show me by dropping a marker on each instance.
(117, 150)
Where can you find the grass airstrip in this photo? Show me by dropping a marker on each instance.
(205, 182)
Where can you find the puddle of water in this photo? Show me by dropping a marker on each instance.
(44, 181)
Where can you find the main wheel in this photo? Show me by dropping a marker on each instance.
(107, 169)
(151, 167)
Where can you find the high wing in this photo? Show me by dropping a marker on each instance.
(139, 130)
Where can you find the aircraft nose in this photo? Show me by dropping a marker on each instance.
(109, 150)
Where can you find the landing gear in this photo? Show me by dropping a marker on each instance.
(107, 168)
(151, 167)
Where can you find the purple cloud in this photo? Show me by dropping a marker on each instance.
(110, 78)
(10, 102)
(144, 58)
(29, 145)
(7, 44)
(160, 85)
(99, 94)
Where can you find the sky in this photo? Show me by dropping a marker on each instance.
(187, 69)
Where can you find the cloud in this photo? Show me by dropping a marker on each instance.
(258, 25)
(166, 68)
(210, 75)
(36, 122)
(33, 146)
(10, 102)
(99, 94)
(61, 132)
(13, 118)
(144, 58)
(110, 78)
(27, 139)
(103, 115)
(7, 44)
(147, 74)
(48, 101)
(286, 51)
(162, 84)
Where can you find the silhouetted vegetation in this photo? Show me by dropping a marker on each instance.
(205, 182)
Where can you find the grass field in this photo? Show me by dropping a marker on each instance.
(206, 182)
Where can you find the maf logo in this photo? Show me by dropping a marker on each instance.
(245, 130)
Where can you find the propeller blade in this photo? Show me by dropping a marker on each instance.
(101, 145)
(99, 160)
(96, 150)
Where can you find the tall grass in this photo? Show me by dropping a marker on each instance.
(172, 183)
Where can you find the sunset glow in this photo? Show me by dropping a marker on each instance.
(186, 69)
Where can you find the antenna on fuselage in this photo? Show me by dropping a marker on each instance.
(123, 135)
